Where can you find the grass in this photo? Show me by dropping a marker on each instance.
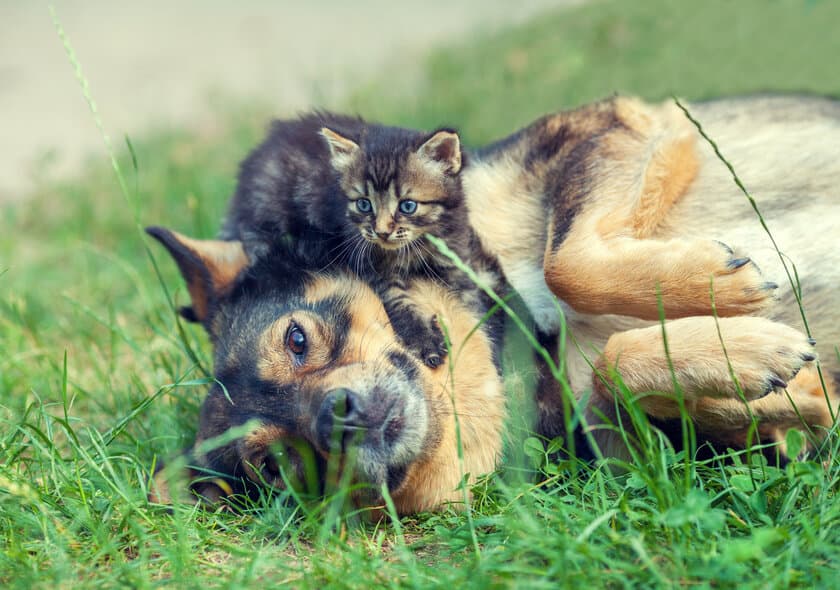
(96, 383)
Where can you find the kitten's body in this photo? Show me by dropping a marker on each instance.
(287, 187)
(307, 182)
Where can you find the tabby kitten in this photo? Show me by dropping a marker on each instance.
(363, 196)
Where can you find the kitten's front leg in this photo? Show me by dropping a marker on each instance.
(420, 333)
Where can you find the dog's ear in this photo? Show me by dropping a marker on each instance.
(209, 267)
(191, 485)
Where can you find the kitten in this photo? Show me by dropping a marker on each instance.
(363, 196)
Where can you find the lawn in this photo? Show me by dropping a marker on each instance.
(97, 383)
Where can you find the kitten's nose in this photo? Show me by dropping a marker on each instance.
(383, 234)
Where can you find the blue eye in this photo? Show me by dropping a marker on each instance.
(408, 206)
(363, 205)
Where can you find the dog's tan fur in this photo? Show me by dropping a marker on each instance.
(644, 207)
(704, 371)
(752, 349)
(631, 163)
(466, 392)
(468, 395)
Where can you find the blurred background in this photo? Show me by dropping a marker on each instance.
(161, 64)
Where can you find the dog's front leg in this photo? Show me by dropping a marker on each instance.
(764, 357)
(604, 253)
(627, 276)
(761, 356)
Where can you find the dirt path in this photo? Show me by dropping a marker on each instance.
(156, 63)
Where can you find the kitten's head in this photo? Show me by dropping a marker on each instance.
(399, 183)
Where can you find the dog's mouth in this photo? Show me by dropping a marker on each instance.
(282, 462)
(377, 434)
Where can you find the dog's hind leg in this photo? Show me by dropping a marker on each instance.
(805, 405)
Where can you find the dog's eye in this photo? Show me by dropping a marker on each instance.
(407, 206)
(296, 340)
(363, 205)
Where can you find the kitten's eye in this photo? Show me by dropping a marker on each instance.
(363, 205)
(408, 206)
(296, 340)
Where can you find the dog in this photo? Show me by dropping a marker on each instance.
(312, 362)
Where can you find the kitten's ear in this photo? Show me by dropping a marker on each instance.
(443, 149)
(209, 267)
(342, 150)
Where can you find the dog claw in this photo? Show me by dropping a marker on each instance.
(812, 341)
(769, 286)
(776, 383)
(725, 247)
(808, 357)
(736, 263)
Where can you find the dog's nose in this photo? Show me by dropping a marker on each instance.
(343, 404)
(340, 418)
(346, 417)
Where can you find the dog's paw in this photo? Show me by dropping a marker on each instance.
(739, 287)
(766, 355)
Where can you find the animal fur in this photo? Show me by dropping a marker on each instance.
(363, 197)
(638, 204)
(353, 391)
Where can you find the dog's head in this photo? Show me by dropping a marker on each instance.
(312, 361)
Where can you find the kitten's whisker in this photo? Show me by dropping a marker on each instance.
(432, 273)
(354, 261)
(351, 244)
(433, 254)
(364, 257)
(417, 254)
(402, 263)
(358, 267)
(346, 241)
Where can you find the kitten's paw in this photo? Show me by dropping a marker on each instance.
(434, 351)
(421, 335)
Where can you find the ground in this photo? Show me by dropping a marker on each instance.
(97, 382)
